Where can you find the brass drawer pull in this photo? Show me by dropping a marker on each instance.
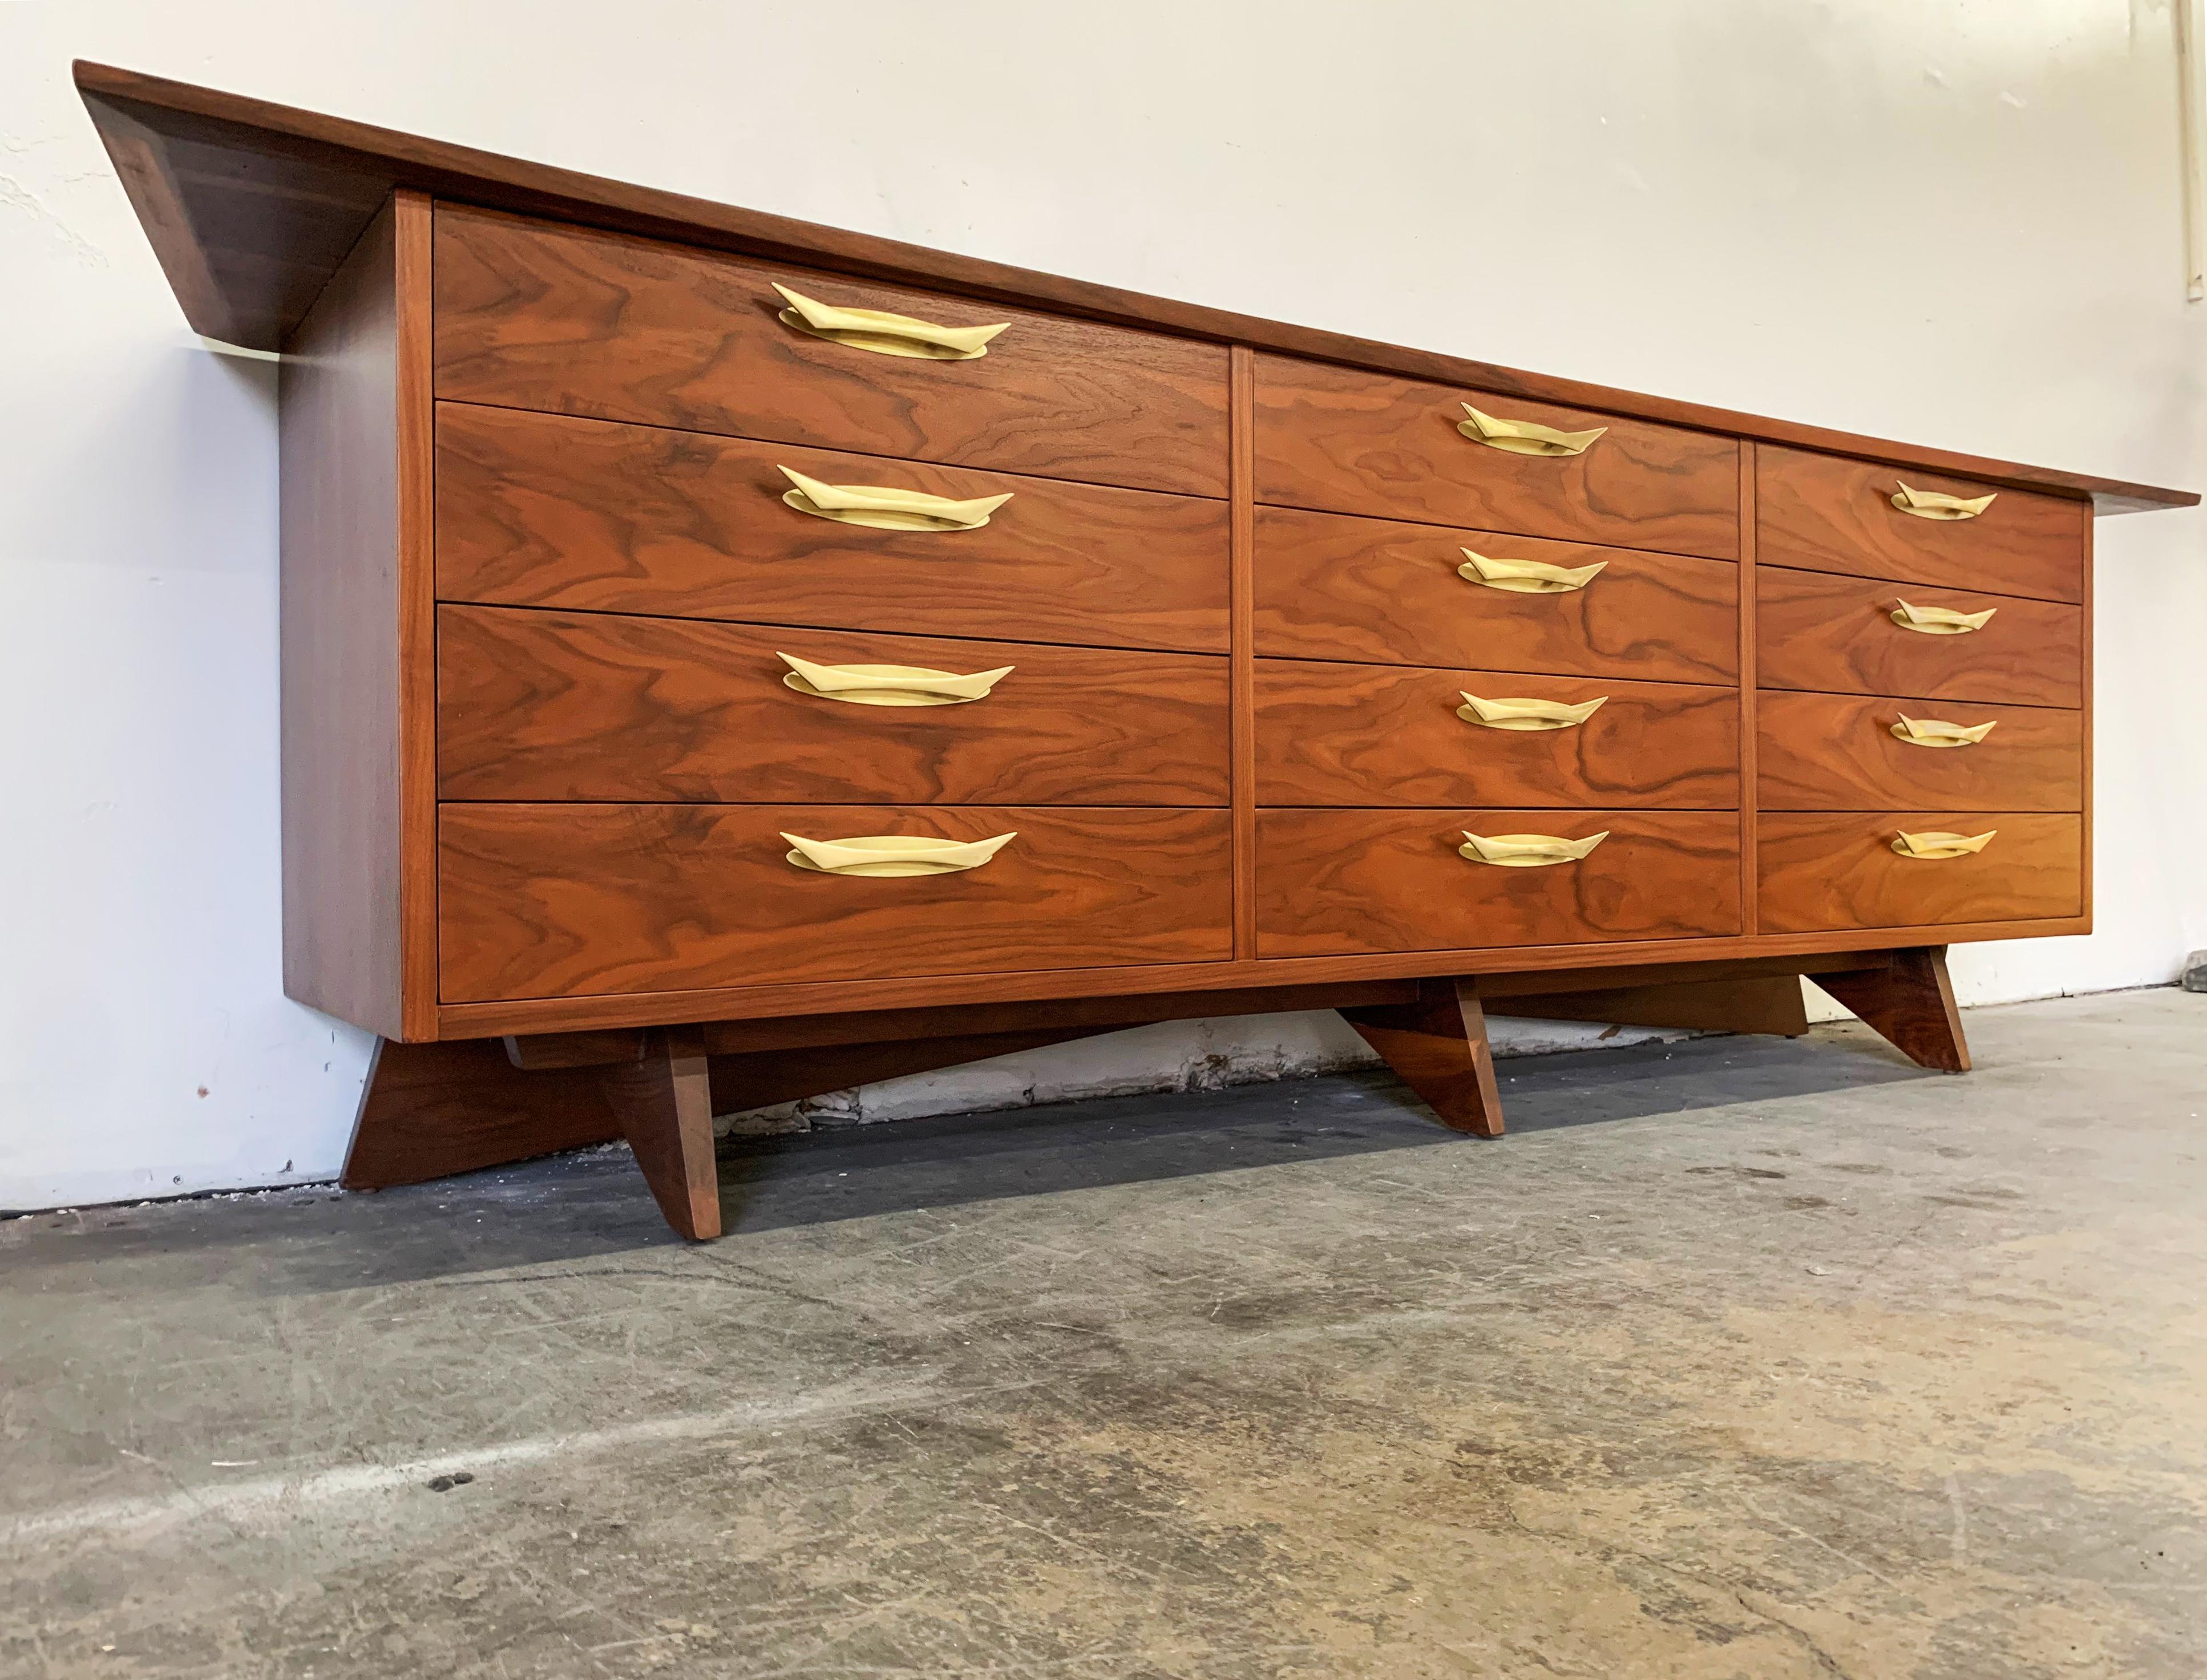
(1525, 715)
(889, 684)
(882, 333)
(1939, 620)
(1526, 852)
(893, 854)
(888, 510)
(1932, 732)
(1526, 577)
(1524, 437)
(1937, 505)
(1938, 844)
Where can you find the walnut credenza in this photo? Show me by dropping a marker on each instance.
(727, 659)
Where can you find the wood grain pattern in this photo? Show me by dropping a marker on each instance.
(1816, 631)
(1353, 442)
(544, 511)
(354, 598)
(1680, 990)
(1516, 985)
(1333, 587)
(1243, 370)
(241, 213)
(560, 900)
(249, 205)
(1824, 513)
(1824, 869)
(1770, 1004)
(664, 1102)
(431, 1110)
(1837, 752)
(2086, 731)
(540, 705)
(1910, 1002)
(417, 616)
(543, 1050)
(1751, 558)
(537, 315)
(1332, 883)
(771, 1001)
(1438, 1047)
(868, 1026)
(1388, 735)
(249, 230)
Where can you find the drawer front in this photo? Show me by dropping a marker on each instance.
(1333, 587)
(534, 315)
(541, 510)
(1837, 635)
(1385, 735)
(1824, 513)
(1341, 883)
(1355, 442)
(537, 705)
(1838, 871)
(544, 900)
(1837, 752)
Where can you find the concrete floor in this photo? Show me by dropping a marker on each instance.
(1740, 1358)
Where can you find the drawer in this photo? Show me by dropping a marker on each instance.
(532, 315)
(541, 705)
(1354, 442)
(1333, 587)
(1837, 752)
(1814, 631)
(539, 511)
(547, 900)
(1385, 735)
(1826, 513)
(1341, 883)
(1838, 871)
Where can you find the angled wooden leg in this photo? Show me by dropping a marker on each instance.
(1770, 1004)
(1437, 1046)
(664, 1102)
(430, 1111)
(1911, 1004)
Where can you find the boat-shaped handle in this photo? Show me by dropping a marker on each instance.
(1526, 577)
(1526, 852)
(889, 684)
(1935, 843)
(886, 509)
(885, 334)
(893, 854)
(1939, 620)
(1527, 714)
(1936, 732)
(1523, 437)
(1937, 505)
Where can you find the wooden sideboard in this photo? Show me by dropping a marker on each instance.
(727, 659)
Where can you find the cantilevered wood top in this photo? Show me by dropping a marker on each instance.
(251, 207)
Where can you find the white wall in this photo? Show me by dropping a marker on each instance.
(1950, 220)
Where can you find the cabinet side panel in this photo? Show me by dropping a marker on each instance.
(342, 863)
(2084, 688)
(1751, 681)
(412, 234)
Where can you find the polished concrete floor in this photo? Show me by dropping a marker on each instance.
(1739, 1357)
